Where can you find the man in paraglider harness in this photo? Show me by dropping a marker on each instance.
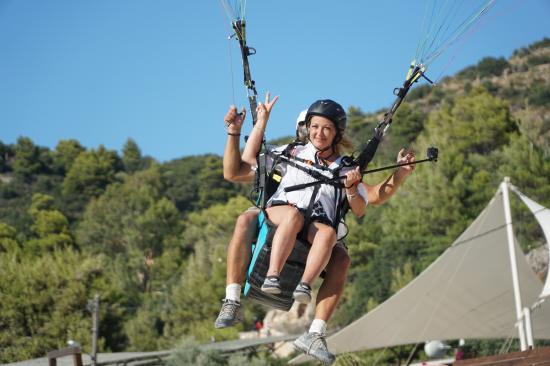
(321, 210)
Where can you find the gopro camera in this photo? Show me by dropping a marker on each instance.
(432, 153)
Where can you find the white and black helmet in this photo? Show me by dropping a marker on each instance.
(329, 109)
(333, 111)
(301, 129)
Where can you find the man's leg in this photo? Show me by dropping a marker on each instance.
(313, 342)
(238, 251)
(238, 255)
(332, 288)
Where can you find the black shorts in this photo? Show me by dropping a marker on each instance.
(318, 213)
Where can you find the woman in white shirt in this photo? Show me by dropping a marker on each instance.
(326, 123)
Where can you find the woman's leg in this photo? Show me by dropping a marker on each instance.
(289, 222)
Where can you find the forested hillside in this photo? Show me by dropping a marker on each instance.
(150, 237)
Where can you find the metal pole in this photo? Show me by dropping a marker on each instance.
(513, 261)
(95, 324)
(528, 327)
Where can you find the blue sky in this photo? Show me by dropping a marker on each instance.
(163, 72)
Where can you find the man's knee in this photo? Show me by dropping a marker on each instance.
(340, 258)
(245, 221)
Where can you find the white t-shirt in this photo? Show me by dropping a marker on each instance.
(292, 176)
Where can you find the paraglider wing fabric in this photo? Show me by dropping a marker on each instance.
(466, 293)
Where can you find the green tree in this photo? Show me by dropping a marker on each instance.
(91, 173)
(527, 168)
(50, 226)
(195, 300)
(45, 300)
(189, 353)
(213, 188)
(407, 125)
(437, 201)
(65, 154)
(488, 66)
(196, 182)
(144, 329)
(133, 220)
(5, 154)
(27, 159)
(131, 156)
(8, 240)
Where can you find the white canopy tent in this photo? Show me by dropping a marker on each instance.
(468, 292)
(542, 214)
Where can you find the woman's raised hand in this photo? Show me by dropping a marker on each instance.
(264, 109)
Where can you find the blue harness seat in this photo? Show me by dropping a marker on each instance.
(291, 273)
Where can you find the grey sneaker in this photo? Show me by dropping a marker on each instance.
(314, 344)
(302, 293)
(230, 314)
(272, 285)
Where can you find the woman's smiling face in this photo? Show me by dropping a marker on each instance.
(322, 132)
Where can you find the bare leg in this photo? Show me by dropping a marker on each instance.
(289, 222)
(323, 238)
(333, 285)
(238, 251)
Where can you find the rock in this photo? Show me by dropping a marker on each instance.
(296, 321)
(538, 260)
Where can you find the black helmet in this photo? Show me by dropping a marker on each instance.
(329, 109)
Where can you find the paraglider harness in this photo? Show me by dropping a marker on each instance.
(266, 184)
(268, 179)
(293, 269)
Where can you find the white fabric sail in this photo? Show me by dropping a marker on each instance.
(542, 214)
(466, 293)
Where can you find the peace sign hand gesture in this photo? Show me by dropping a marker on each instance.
(264, 109)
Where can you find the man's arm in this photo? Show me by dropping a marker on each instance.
(234, 169)
(381, 192)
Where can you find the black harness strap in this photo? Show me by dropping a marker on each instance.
(287, 158)
(307, 216)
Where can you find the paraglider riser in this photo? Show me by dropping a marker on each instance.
(291, 273)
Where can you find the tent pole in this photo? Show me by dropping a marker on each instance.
(513, 261)
(528, 327)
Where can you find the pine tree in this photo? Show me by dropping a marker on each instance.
(131, 156)
(27, 159)
(65, 154)
(50, 226)
(91, 173)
